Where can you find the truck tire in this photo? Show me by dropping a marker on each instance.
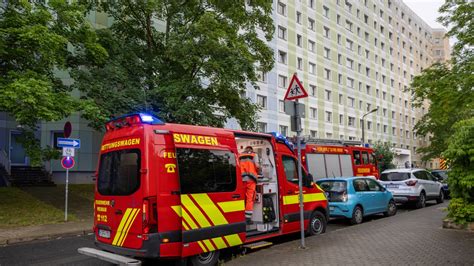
(205, 259)
(317, 224)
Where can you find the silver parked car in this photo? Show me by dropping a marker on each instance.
(412, 186)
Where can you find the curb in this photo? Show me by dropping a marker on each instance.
(10, 241)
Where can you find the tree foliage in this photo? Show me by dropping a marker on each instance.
(460, 154)
(384, 154)
(186, 61)
(448, 86)
(36, 41)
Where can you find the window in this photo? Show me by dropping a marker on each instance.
(338, 19)
(350, 101)
(204, 171)
(341, 121)
(348, 25)
(311, 24)
(119, 172)
(327, 74)
(262, 101)
(312, 68)
(299, 63)
(349, 63)
(327, 94)
(328, 116)
(281, 32)
(340, 98)
(350, 83)
(299, 40)
(282, 81)
(357, 160)
(281, 106)
(349, 44)
(262, 76)
(291, 172)
(281, 9)
(282, 57)
(261, 127)
(283, 130)
(365, 157)
(351, 121)
(326, 32)
(311, 46)
(298, 17)
(311, 3)
(312, 90)
(369, 125)
(313, 113)
(339, 59)
(327, 53)
(373, 185)
(326, 11)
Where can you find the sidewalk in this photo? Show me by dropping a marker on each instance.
(47, 231)
(411, 238)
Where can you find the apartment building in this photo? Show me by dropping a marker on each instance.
(353, 56)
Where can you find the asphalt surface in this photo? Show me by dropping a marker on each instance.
(63, 251)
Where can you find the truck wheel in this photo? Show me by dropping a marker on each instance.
(205, 259)
(317, 224)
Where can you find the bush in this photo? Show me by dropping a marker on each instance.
(460, 156)
(384, 155)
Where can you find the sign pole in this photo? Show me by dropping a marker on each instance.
(300, 174)
(67, 183)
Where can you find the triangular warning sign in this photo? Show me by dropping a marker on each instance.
(295, 90)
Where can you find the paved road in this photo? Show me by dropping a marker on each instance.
(64, 251)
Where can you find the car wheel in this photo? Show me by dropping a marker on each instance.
(391, 209)
(357, 215)
(317, 224)
(440, 198)
(208, 259)
(421, 203)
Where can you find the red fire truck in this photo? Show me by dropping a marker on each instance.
(340, 159)
(175, 191)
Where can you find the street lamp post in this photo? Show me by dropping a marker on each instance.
(363, 123)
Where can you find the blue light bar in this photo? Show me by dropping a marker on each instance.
(146, 118)
(280, 138)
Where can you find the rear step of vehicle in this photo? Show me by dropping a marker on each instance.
(110, 257)
(259, 244)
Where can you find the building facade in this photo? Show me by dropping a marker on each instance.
(352, 57)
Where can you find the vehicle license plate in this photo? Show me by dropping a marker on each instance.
(104, 233)
(391, 186)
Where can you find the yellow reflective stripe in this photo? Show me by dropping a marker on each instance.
(194, 211)
(202, 246)
(210, 208)
(177, 210)
(209, 245)
(189, 220)
(120, 227)
(127, 227)
(219, 242)
(232, 206)
(233, 240)
(293, 199)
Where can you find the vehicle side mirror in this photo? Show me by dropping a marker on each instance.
(384, 189)
(307, 180)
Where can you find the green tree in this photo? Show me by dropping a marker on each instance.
(460, 154)
(448, 87)
(384, 154)
(36, 41)
(185, 61)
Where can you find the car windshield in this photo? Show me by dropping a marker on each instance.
(442, 175)
(333, 186)
(394, 176)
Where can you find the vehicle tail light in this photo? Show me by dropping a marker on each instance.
(411, 183)
(149, 215)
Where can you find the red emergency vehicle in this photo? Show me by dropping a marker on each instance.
(175, 191)
(341, 160)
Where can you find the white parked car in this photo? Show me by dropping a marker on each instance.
(412, 186)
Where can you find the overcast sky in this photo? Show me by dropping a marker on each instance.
(427, 10)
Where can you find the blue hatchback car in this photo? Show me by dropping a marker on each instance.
(356, 197)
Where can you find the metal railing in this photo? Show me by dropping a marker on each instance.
(5, 161)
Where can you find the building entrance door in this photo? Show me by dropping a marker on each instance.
(17, 152)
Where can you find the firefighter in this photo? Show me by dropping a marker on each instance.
(249, 169)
